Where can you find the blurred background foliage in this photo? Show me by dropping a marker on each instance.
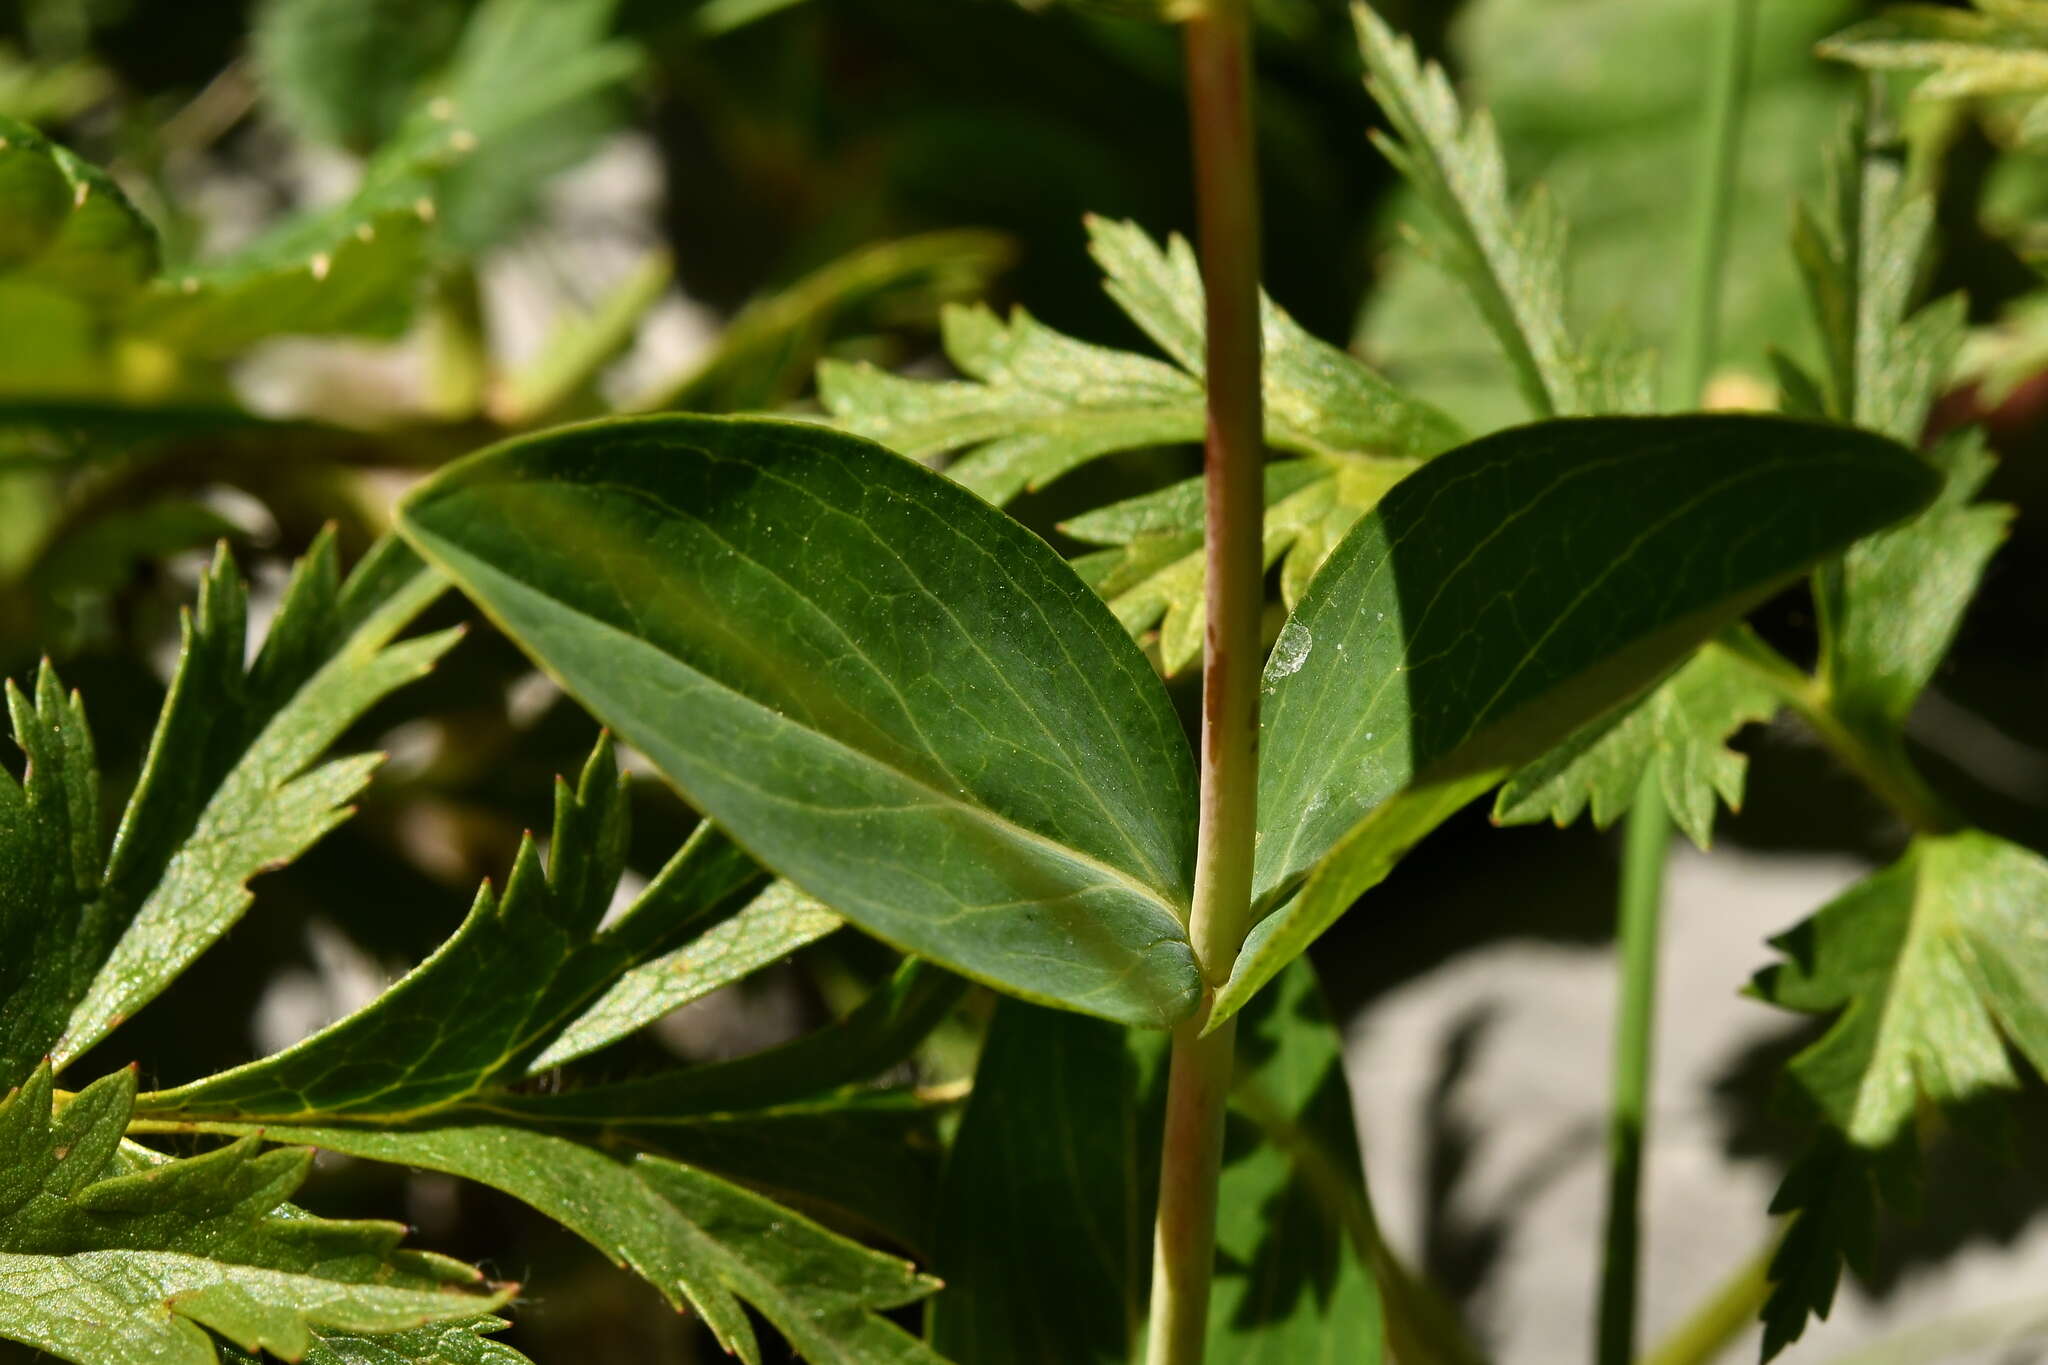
(545, 209)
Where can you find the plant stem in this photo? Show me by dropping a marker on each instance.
(1699, 335)
(1715, 1324)
(1882, 765)
(1648, 833)
(1646, 848)
(1218, 40)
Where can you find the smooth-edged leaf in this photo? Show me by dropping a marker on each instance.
(884, 689)
(766, 354)
(90, 933)
(1680, 730)
(491, 1001)
(1503, 597)
(1509, 258)
(1050, 1188)
(2000, 49)
(1037, 404)
(102, 1263)
(774, 924)
(704, 1242)
(1936, 965)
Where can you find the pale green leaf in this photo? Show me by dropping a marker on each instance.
(925, 720)
(66, 227)
(1038, 404)
(1492, 605)
(1680, 731)
(2000, 49)
(1508, 257)
(348, 71)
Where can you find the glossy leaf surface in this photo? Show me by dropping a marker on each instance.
(1494, 603)
(883, 688)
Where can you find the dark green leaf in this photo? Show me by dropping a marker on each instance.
(883, 688)
(482, 1011)
(1493, 604)
(105, 1264)
(1049, 1195)
(1680, 729)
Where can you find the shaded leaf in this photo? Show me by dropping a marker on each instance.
(701, 1241)
(1492, 605)
(1681, 729)
(348, 71)
(90, 933)
(1050, 1190)
(927, 721)
(105, 1265)
(454, 1343)
(482, 1011)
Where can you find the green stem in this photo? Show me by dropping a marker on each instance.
(1647, 844)
(1880, 762)
(1227, 199)
(1648, 833)
(1726, 1314)
(1700, 335)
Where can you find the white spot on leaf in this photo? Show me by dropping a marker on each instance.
(1290, 651)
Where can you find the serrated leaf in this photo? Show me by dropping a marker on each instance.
(229, 788)
(1050, 1190)
(102, 1264)
(1861, 256)
(490, 1004)
(1936, 967)
(1492, 605)
(347, 71)
(1509, 258)
(1891, 609)
(969, 757)
(767, 353)
(64, 225)
(1155, 580)
(2000, 49)
(90, 933)
(702, 1241)
(1680, 729)
(1038, 404)
(454, 1343)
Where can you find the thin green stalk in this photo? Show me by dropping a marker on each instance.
(1646, 849)
(1218, 39)
(1648, 834)
(1726, 1314)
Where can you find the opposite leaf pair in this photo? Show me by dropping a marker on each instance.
(903, 701)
